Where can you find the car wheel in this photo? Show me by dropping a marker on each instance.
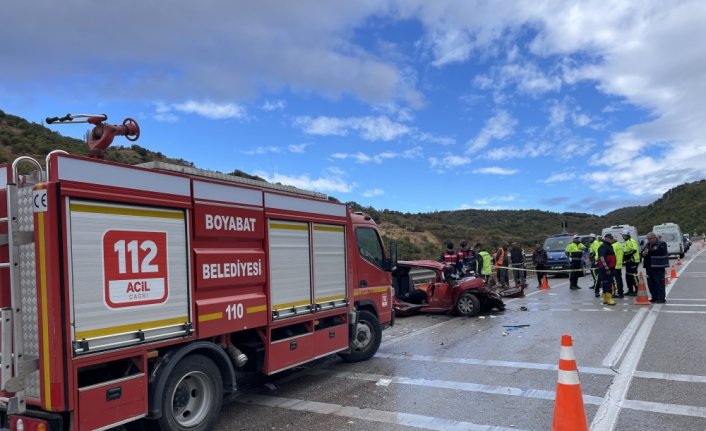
(366, 341)
(468, 305)
(192, 396)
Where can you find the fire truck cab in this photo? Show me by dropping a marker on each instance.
(135, 292)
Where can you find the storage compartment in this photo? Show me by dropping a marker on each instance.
(330, 339)
(111, 393)
(288, 352)
(112, 402)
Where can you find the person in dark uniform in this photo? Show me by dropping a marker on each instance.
(574, 251)
(517, 262)
(656, 253)
(539, 259)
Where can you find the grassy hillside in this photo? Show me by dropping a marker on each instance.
(422, 235)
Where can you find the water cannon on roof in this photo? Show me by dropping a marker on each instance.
(102, 134)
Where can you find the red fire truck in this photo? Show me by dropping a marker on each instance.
(135, 293)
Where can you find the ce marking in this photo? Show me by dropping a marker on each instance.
(39, 201)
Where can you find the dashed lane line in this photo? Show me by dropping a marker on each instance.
(366, 414)
(454, 385)
(670, 376)
(488, 362)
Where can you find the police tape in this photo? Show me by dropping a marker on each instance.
(548, 271)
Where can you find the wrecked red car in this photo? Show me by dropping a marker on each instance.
(430, 287)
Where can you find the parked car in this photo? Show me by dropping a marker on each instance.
(555, 247)
(427, 286)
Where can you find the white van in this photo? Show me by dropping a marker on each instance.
(671, 234)
(617, 232)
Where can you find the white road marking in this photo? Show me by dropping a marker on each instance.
(670, 409)
(395, 418)
(606, 418)
(616, 352)
(489, 363)
(684, 305)
(687, 299)
(683, 312)
(458, 386)
(670, 377)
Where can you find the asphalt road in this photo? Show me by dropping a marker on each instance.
(642, 367)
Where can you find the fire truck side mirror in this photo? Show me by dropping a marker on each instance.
(391, 262)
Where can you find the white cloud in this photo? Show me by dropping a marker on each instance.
(495, 170)
(373, 193)
(379, 128)
(262, 150)
(499, 126)
(335, 183)
(434, 139)
(449, 161)
(207, 109)
(528, 150)
(225, 51)
(297, 148)
(500, 198)
(560, 177)
(360, 157)
(274, 105)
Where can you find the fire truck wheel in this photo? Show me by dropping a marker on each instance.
(192, 396)
(366, 340)
(468, 305)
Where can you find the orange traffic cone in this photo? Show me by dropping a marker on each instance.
(673, 275)
(678, 260)
(569, 412)
(545, 283)
(641, 298)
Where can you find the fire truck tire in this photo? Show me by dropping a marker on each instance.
(468, 305)
(367, 339)
(192, 396)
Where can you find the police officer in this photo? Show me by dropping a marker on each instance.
(631, 260)
(574, 251)
(656, 253)
(606, 265)
(593, 255)
(618, 272)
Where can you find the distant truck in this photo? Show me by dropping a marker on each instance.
(617, 232)
(672, 235)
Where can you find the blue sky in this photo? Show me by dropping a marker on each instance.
(409, 105)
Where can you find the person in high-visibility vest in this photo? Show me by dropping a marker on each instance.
(574, 251)
(631, 260)
(618, 272)
(483, 262)
(593, 254)
(449, 257)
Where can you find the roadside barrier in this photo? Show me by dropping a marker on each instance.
(641, 298)
(569, 411)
